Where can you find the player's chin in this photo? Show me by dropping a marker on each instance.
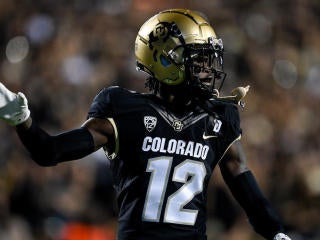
(206, 80)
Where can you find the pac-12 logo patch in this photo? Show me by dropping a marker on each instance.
(150, 122)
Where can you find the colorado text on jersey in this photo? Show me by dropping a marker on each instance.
(174, 146)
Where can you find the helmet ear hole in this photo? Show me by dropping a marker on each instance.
(164, 61)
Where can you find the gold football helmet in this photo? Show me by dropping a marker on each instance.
(175, 45)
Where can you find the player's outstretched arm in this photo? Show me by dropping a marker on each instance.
(246, 191)
(47, 150)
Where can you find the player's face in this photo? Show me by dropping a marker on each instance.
(201, 68)
(206, 67)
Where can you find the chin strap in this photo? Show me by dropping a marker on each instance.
(236, 96)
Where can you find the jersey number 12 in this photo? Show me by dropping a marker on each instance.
(190, 173)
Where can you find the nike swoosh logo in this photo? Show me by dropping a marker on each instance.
(208, 136)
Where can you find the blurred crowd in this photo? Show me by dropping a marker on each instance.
(61, 53)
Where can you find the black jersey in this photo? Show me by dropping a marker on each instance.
(162, 162)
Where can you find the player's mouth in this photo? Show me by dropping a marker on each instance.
(205, 78)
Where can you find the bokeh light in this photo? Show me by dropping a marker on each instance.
(40, 28)
(312, 83)
(284, 73)
(17, 49)
(258, 27)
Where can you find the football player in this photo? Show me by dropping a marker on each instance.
(163, 145)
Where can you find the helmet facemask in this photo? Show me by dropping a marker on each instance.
(204, 66)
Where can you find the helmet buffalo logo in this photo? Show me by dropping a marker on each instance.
(160, 31)
(150, 122)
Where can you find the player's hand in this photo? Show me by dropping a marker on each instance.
(13, 107)
(281, 236)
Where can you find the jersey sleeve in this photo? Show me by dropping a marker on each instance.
(102, 106)
(233, 121)
(231, 128)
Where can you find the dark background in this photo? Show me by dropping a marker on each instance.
(61, 53)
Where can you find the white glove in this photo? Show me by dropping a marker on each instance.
(281, 236)
(13, 107)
